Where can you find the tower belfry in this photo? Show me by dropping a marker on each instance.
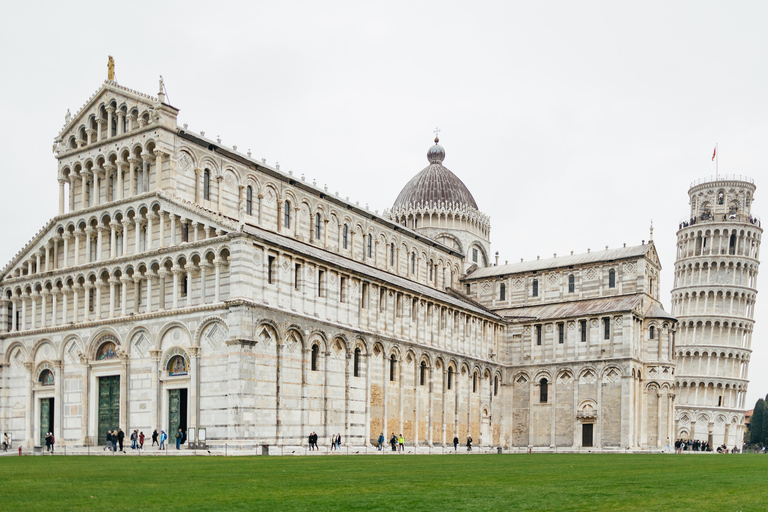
(718, 250)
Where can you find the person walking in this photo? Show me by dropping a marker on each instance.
(380, 444)
(154, 438)
(455, 443)
(134, 439)
(141, 441)
(333, 442)
(393, 442)
(401, 441)
(48, 442)
(309, 440)
(108, 446)
(179, 435)
(6, 442)
(163, 437)
(338, 442)
(469, 443)
(120, 438)
(52, 441)
(113, 438)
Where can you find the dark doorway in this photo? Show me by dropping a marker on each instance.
(109, 406)
(586, 434)
(46, 418)
(177, 412)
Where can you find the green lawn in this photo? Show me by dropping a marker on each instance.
(406, 482)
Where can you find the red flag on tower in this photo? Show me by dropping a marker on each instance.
(714, 153)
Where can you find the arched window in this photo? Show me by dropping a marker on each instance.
(370, 245)
(720, 197)
(344, 236)
(392, 363)
(357, 362)
(317, 226)
(423, 373)
(612, 278)
(315, 353)
(450, 378)
(46, 378)
(571, 283)
(496, 385)
(391, 254)
(651, 332)
(543, 391)
(207, 185)
(503, 292)
(431, 270)
(249, 200)
(413, 263)
(474, 382)
(287, 215)
(535, 287)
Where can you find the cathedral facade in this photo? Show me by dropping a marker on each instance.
(184, 284)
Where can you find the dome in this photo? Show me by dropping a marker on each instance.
(435, 185)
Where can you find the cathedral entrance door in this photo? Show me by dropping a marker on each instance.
(586, 434)
(109, 405)
(177, 412)
(46, 418)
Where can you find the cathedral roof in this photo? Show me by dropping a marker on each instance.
(577, 308)
(565, 261)
(434, 186)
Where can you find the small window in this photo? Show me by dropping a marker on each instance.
(382, 299)
(561, 332)
(612, 278)
(138, 293)
(357, 363)
(184, 232)
(315, 352)
(503, 292)
(270, 268)
(392, 365)
(571, 283)
(413, 263)
(450, 378)
(474, 255)
(249, 200)
(535, 287)
(320, 283)
(651, 332)
(538, 334)
(391, 254)
(287, 215)
(344, 236)
(583, 325)
(423, 373)
(297, 277)
(370, 245)
(607, 328)
(317, 226)
(543, 391)
(207, 185)
(474, 382)
(343, 289)
(495, 385)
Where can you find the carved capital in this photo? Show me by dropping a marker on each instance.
(155, 355)
(58, 364)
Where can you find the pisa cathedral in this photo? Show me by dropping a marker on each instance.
(183, 283)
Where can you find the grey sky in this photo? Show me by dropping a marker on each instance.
(573, 123)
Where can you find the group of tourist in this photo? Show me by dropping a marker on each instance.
(710, 216)
(49, 442)
(313, 441)
(336, 442)
(115, 440)
(694, 445)
(398, 443)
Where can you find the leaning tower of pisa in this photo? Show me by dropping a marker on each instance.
(718, 249)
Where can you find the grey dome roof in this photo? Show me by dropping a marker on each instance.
(435, 185)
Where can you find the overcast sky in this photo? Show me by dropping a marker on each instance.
(574, 124)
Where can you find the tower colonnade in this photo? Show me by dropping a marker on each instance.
(713, 297)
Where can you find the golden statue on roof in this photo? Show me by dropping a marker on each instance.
(111, 69)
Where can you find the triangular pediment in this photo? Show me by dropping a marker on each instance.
(136, 108)
(653, 255)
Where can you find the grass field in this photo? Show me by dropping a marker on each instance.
(416, 482)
